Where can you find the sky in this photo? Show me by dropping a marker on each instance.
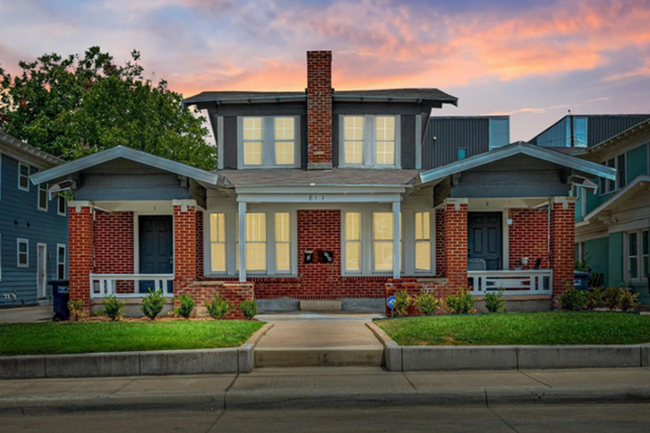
(531, 59)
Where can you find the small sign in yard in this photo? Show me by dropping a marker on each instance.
(390, 302)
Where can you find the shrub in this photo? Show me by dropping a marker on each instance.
(248, 308)
(426, 303)
(573, 299)
(75, 308)
(595, 298)
(402, 303)
(186, 305)
(494, 302)
(611, 296)
(153, 303)
(113, 307)
(627, 300)
(461, 304)
(218, 307)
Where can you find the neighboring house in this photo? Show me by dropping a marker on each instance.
(612, 223)
(585, 131)
(450, 139)
(33, 227)
(326, 185)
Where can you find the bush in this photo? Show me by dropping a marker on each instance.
(595, 298)
(218, 307)
(248, 308)
(113, 307)
(628, 301)
(494, 302)
(611, 296)
(426, 303)
(75, 308)
(153, 303)
(186, 305)
(461, 304)
(402, 303)
(573, 300)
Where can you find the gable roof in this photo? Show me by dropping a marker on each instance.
(125, 153)
(620, 137)
(518, 148)
(26, 153)
(630, 189)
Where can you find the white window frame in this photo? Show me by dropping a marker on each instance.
(20, 164)
(232, 258)
(38, 197)
(639, 256)
(369, 143)
(59, 263)
(268, 143)
(18, 253)
(605, 183)
(60, 199)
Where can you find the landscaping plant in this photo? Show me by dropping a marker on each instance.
(402, 303)
(611, 296)
(113, 307)
(573, 299)
(494, 302)
(218, 307)
(595, 298)
(248, 308)
(628, 301)
(186, 305)
(153, 303)
(426, 303)
(461, 304)
(75, 308)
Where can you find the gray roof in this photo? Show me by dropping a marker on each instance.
(336, 176)
(20, 150)
(397, 95)
(639, 127)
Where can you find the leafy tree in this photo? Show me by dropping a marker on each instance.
(78, 105)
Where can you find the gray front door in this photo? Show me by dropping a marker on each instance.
(156, 247)
(484, 238)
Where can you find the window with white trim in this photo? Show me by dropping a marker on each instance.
(42, 197)
(636, 255)
(369, 141)
(268, 141)
(218, 242)
(282, 242)
(353, 241)
(60, 261)
(382, 241)
(620, 165)
(22, 253)
(23, 176)
(422, 241)
(62, 205)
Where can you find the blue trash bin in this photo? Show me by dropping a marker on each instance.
(60, 298)
(581, 280)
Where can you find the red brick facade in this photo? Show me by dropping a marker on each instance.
(233, 292)
(114, 246)
(528, 237)
(456, 245)
(319, 109)
(184, 247)
(562, 240)
(81, 255)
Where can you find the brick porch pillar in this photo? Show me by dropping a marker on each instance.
(561, 243)
(455, 217)
(184, 244)
(80, 250)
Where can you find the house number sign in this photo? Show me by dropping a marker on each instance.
(316, 197)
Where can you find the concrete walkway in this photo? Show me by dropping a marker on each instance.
(350, 387)
(26, 314)
(313, 339)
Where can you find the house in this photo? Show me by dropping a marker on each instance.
(33, 226)
(612, 222)
(452, 138)
(335, 210)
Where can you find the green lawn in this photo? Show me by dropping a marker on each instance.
(520, 328)
(54, 338)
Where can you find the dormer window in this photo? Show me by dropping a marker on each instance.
(369, 141)
(268, 142)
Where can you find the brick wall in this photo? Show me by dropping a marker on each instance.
(232, 292)
(414, 287)
(562, 240)
(456, 245)
(80, 252)
(440, 243)
(114, 246)
(528, 236)
(184, 247)
(319, 109)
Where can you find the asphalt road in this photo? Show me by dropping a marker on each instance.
(628, 418)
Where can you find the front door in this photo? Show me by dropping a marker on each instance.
(41, 270)
(156, 241)
(484, 238)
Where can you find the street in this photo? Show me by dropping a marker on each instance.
(628, 418)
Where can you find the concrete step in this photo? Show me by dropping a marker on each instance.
(320, 305)
(319, 356)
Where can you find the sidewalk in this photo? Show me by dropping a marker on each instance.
(330, 387)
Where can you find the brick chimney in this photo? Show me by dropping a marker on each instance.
(319, 110)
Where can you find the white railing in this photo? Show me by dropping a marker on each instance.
(529, 282)
(128, 285)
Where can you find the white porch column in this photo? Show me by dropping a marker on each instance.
(242, 241)
(397, 260)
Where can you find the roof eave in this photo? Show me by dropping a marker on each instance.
(639, 181)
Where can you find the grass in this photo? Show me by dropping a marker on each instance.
(520, 328)
(56, 338)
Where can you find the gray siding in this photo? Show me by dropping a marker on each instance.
(600, 128)
(407, 141)
(20, 218)
(230, 142)
(444, 136)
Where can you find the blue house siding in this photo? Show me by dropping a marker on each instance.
(20, 218)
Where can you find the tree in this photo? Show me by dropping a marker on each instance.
(75, 106)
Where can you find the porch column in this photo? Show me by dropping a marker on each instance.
(184, 244)
(81, 242)
(455, 210)
(242, 241)
(397, 260)
(561, 242)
